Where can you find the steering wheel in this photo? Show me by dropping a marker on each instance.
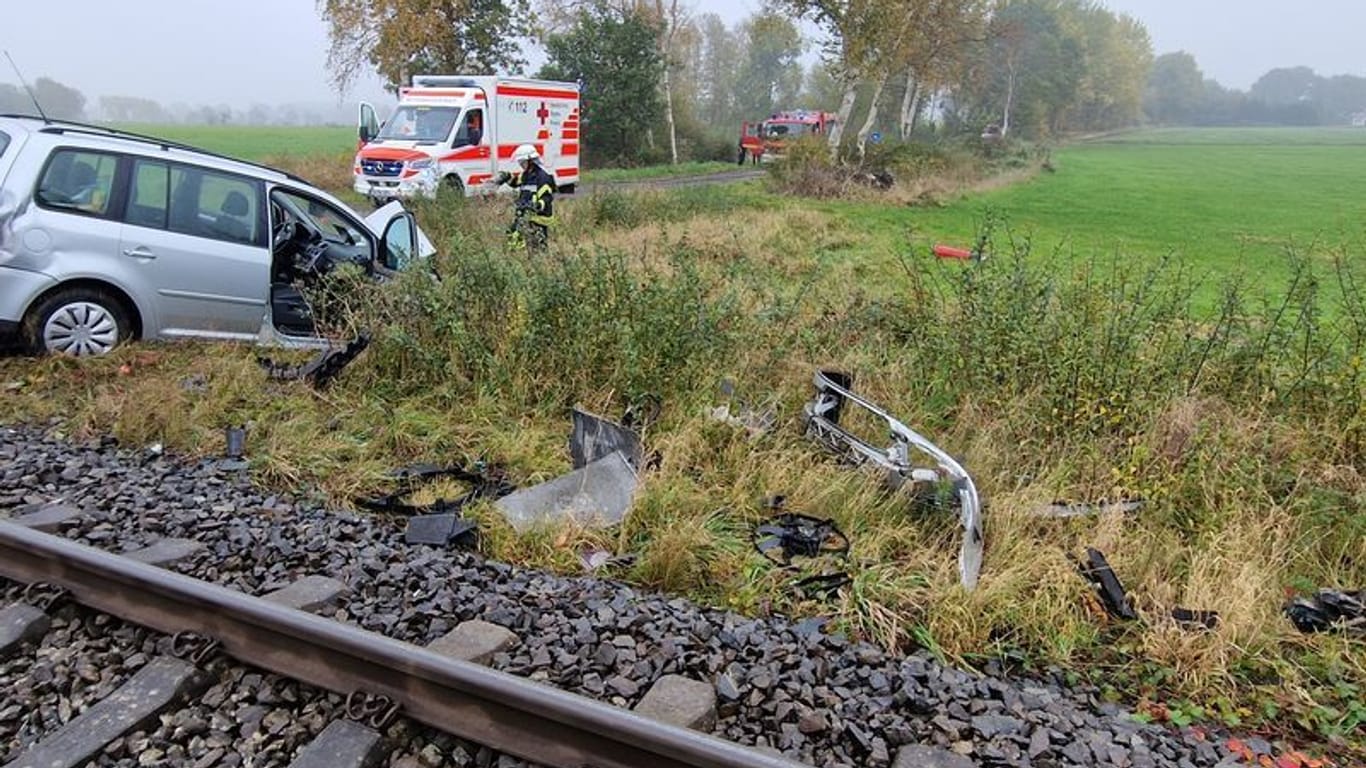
(284, 233)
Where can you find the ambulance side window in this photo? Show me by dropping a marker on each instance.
(471, 129)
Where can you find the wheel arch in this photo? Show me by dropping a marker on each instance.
(128, 304)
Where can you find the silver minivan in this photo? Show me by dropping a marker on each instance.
(107, 236)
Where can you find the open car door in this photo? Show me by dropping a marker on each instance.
(367, 124)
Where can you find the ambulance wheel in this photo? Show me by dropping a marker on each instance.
(453, 185)
(567, 189)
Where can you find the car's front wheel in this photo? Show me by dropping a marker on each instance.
(83, 322)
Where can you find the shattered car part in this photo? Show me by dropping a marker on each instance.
(756, 422)
(596, 494)
(1330, 611)
(1191, 619)
(822, 416)
(593, 437)
(1097, 570)
(440, 530)
(321, 370)
(791, 535)
(1063, 510)
(485, 483)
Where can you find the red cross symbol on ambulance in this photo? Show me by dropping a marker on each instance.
(543, 113)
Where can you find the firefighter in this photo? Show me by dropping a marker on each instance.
(535, 195)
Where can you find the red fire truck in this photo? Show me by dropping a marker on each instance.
(764, 140)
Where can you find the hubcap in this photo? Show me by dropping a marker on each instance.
(81, 329)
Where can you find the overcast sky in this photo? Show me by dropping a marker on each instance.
(240, 52)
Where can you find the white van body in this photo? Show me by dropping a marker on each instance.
(461, 131)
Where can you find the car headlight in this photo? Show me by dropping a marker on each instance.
(420, 165)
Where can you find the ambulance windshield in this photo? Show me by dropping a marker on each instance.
(409, 123)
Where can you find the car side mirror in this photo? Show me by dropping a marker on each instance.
(398, 247)
(366, 135)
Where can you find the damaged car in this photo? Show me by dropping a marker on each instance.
(108, 236)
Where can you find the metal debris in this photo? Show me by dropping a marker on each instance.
(822, 416)
(1330, 611)
(321, 370)
(236, 439)
(1098, 571)
(597, 494)
(1062, 510)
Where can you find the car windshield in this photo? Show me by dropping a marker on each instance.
(420, 124)
(320, 217)
(785, 129)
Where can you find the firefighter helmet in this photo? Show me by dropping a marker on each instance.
(525, 152)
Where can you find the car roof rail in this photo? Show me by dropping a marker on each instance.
(66, 126)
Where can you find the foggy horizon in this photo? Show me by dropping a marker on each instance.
(272, 54)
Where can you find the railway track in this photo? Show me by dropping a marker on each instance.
(778, 683)
(381, 678)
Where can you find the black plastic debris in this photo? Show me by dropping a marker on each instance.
(321, 370)
(790, 535)
(1330, 611)
(1193, 619)
(485, 482)
(1098, 571)
(643, 412)
(441, 530)
(823, 586)
(592, 437)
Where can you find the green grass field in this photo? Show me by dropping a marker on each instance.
(1222, 201)
(256, 143)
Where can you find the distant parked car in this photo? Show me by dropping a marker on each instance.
(107, 236)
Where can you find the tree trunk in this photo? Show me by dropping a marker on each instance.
(1010, 99)
(871, 117)
(669, 115)
(670, 21)
(851, 78)
(910, 105)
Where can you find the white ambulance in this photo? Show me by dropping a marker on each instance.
(460, 131)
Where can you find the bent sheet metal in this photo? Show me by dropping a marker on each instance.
(822, 416)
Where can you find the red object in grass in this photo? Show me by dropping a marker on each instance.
(950, 252)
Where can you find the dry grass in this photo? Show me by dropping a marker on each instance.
(1244, 499)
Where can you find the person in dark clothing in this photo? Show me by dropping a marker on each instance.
(535, 195)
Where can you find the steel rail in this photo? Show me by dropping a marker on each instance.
(509, 714)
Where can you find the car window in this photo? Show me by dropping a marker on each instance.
(420, 123)
(77, 180)
(471, 130)
(150, 197)
(216, 205)
(323, 218)
(4, 143)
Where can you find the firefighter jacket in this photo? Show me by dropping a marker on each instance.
(535, 192)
